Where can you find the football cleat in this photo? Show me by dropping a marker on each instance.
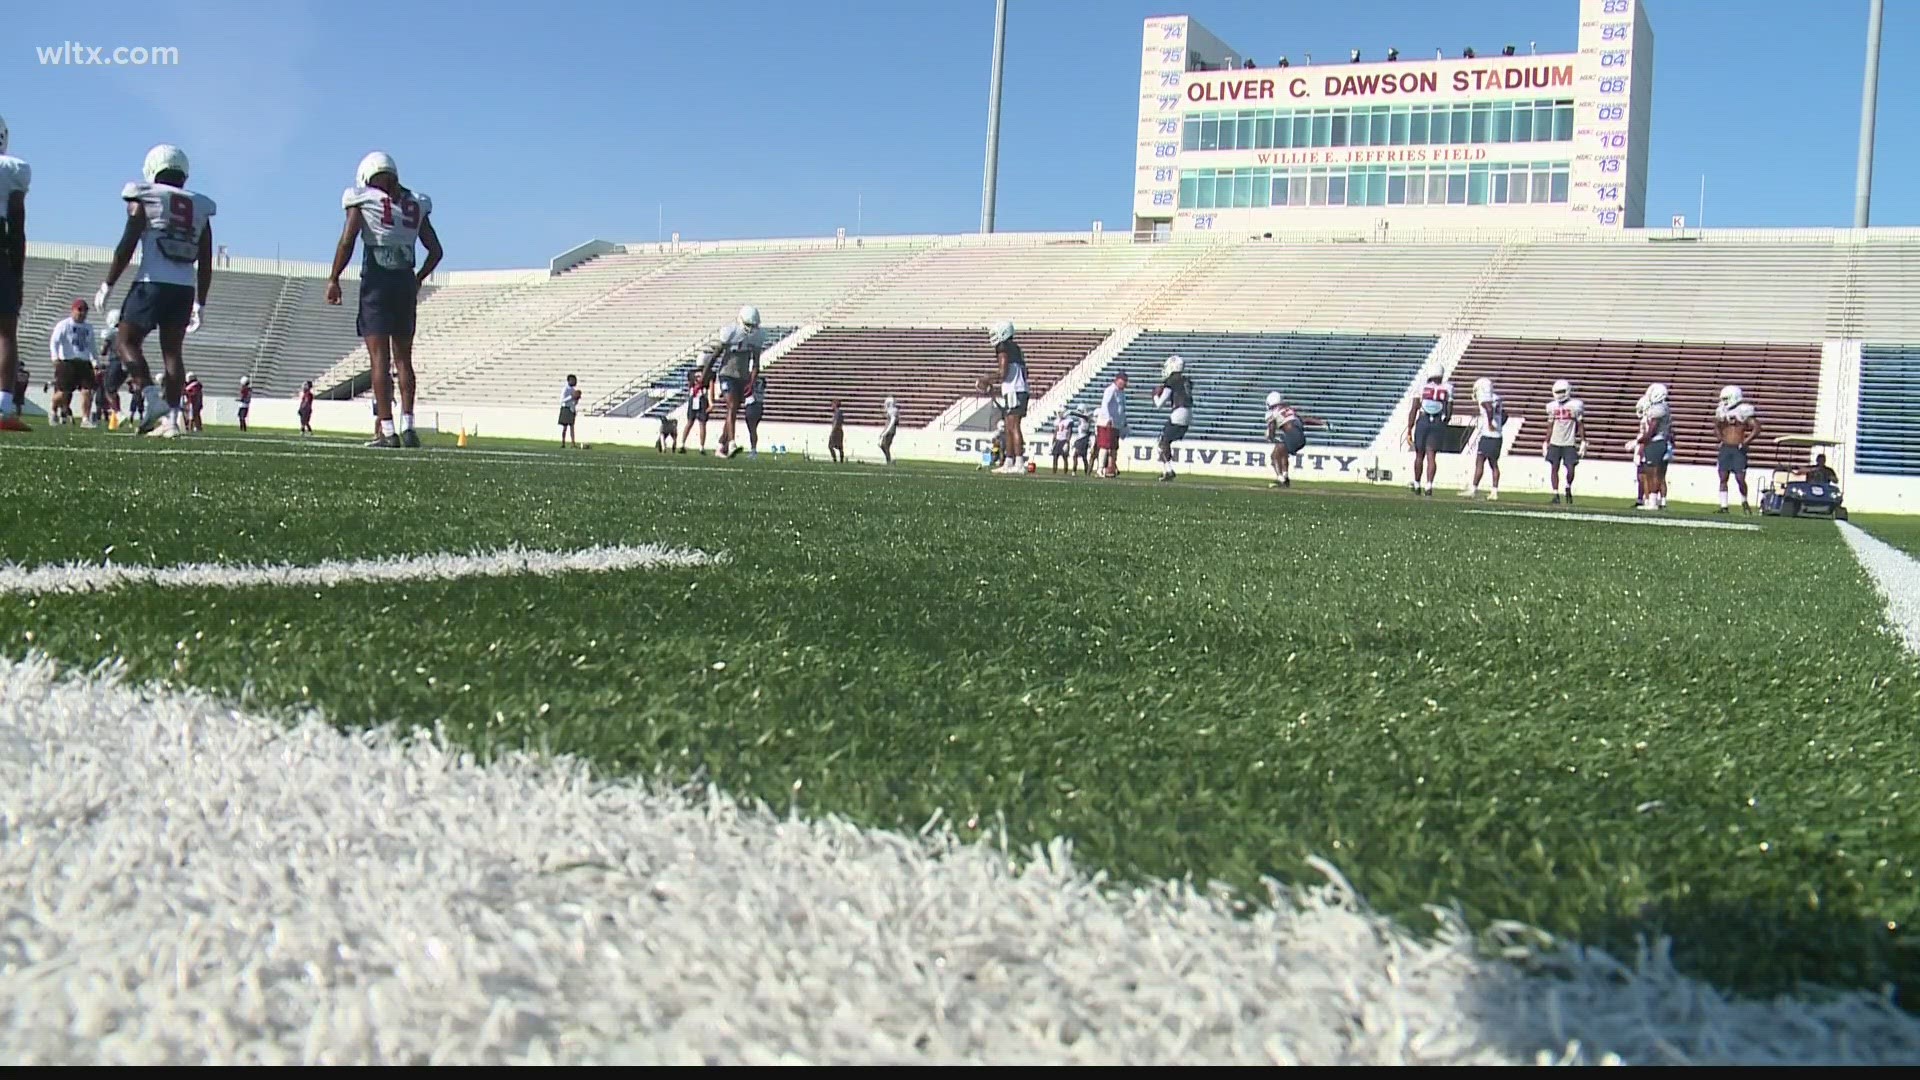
(384, 442)
(410, 438)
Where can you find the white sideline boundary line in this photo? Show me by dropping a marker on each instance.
(1618, 519)
(78, 577)
(279, 893)
(1896, 577)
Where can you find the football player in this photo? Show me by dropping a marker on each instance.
(15, 176)
(173, 228)
(733, 364)
(1490, 420)
(1653, 445)
(753, 408)
(1427, 419)
(1012, 372)
(387, 219)
(1738, 425)
(246, 399)
(1566, 439)
(892, 408)
(1176, 396)
(1287, 432)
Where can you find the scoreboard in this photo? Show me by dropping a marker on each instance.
(1556, 140)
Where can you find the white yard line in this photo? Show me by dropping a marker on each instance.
(1621, 519)
(1896, 576)
(76, 577)
(183, 883)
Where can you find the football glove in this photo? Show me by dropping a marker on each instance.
(100, 295)
(193, 321)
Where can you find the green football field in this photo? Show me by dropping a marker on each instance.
(1606, 730)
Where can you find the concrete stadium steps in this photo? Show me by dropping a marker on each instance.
(1888, 425)
(633, 334)
(924, 369)
(1276, 284)
(1352, 380)
(1066, 283)
(312, 336)
(1781, 380)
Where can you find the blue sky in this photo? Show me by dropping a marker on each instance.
(539, 125)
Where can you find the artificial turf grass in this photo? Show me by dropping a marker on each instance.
(1183, 680)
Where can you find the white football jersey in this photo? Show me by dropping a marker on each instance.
(15, 175)
(737, 350)
(1565, 416)
(176, 219)
(893, 414)
(389, 225)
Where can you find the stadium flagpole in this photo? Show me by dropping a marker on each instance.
(991, 182)
(1869, 94)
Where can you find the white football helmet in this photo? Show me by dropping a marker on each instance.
(1173, 366)
(750, 316)
(246, 380)
(1274, 399)
(1562, 389)
(1000, 333)
(3, 134)
(1482, 390)
(1435, 372)
(1657, 394)
(164, 158)
(373, 165)
(1730, 396)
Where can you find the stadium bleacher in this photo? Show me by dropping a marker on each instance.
(273, 327)
(1352, 380)
(1065, 284)
(925, 369)
(620, 340)
(1367, 288)
(1782, 381)
(1888, 442)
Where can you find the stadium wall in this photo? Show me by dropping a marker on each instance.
(1387, 469)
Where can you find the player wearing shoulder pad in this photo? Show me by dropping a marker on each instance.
(1566, 441)
(1489, 426)
(1652, 447)
(173, 229)
(1287, 433)
(1011, 365)
(1737, 423)
(15, 177)
(387, 219)
(1176, 396)
(732, 362)
(1427, 418)
(891, 408)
